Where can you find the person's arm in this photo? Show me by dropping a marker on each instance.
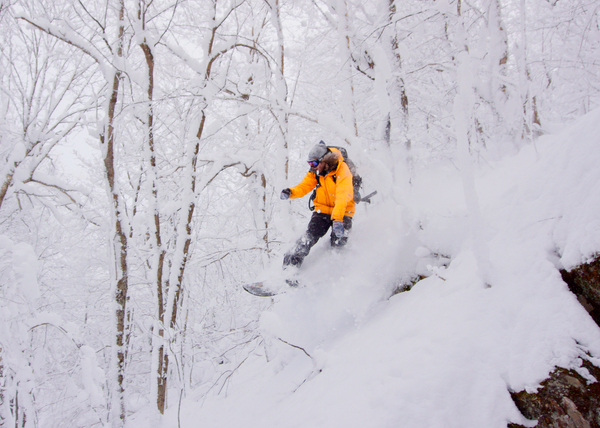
(306, 185)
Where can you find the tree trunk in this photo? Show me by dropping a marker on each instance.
(349, 113)
(397, 126)
(159, 258)
(528, 101)
(174, 284)
(119, 237)
(281, 96)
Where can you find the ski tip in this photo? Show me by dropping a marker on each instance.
(258, 289)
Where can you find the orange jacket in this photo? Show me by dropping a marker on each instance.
(335, 194)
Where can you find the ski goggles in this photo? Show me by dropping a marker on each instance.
(313, 163)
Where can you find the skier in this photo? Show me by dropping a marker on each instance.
(334, 201)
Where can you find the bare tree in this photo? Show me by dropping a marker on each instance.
(44, 95)
(281, 90)
(107, 57)
(199, 172)
(43, 100)
(345, 52)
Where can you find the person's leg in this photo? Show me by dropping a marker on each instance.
(340, 242)
(318, 226)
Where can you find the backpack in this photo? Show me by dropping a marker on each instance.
(356, 179)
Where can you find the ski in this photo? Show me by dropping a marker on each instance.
(262, 288)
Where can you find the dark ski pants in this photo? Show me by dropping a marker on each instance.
(318, 226)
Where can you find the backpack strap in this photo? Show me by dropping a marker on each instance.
(311, 205)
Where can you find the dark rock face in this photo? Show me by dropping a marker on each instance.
(566, 399)
(584, 281)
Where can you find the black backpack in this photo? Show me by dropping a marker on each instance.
(356, 180)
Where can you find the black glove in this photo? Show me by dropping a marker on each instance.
(285, 194)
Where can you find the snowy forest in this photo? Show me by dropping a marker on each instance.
(144, 145)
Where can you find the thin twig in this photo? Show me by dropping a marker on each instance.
(297, 347)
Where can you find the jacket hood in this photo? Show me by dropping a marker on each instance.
(332, 159)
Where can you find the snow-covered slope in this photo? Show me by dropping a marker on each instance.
(339, 353)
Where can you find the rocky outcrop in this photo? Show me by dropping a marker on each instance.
(566, 399)
(584, 281)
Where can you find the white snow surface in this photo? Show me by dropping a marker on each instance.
(339, 352)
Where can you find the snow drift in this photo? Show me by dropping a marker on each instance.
(341, 353)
